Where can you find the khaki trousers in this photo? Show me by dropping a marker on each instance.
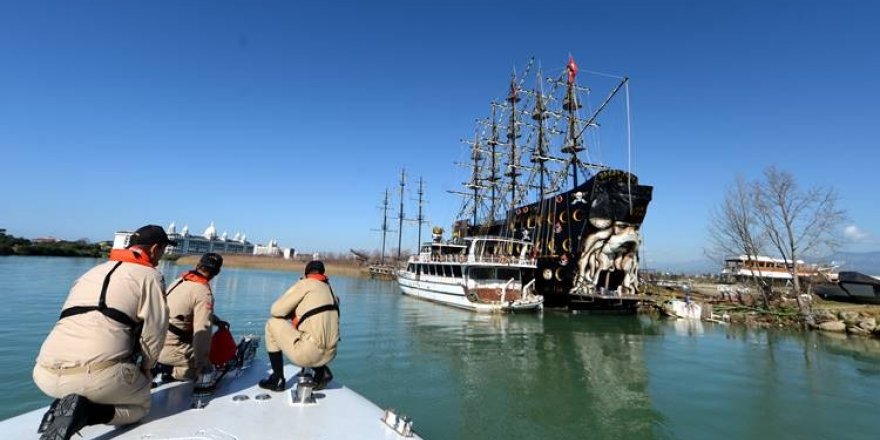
(281, 336)
(122, 385)
(181, 358)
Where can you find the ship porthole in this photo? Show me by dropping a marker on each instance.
(577, 215)
(566, 245)
(563, 217)
(558, 274)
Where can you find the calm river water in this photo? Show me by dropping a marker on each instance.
(549, 376)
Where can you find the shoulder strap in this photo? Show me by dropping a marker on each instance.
(109, 312)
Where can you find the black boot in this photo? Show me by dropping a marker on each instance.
(48, 417)
(323, 376)
(68, 417)
(276, 381)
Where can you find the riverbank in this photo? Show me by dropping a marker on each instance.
(279, 264)
(744, 307)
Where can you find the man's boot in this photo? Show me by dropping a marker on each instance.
(68, 417)
(276, 381)
(323, 376)
(48, 417)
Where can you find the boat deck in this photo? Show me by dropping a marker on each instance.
(238, 409)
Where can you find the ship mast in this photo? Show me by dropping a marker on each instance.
(570, 103)
(474, 184)
(512, 135)
(539, 154)
(384, 225)
(400, 213)
(420, 218)
(493, 170)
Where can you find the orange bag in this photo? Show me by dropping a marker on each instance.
(223, 347)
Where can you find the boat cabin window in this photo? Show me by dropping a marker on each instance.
(456, 271)
(493, 273)
(410, 268)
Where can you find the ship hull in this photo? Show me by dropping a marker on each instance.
(586, 241)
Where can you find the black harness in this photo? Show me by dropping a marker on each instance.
(114, 314)
(320, 309)
(183, 335)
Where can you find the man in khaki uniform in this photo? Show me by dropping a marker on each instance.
(305, 327)
(114, 312)
(191, 307)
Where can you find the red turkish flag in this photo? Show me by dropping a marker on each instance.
(572, 69)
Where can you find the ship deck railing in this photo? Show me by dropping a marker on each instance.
(472, 259)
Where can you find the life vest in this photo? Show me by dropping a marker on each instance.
(186, 336)
(298, 319)
(121, 256)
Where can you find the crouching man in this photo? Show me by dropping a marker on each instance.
(305, 327)
(191, 308)
(113, 314)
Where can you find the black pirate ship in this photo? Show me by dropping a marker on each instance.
(533, 177)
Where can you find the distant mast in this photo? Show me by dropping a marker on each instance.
(400, 214)
(384, 225)
(420, 218)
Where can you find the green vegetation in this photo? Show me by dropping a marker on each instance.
(11, 245)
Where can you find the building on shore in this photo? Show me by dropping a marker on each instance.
(187, 243)
(209, 241)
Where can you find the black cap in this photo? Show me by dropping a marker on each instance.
(211, 263)
(150, 235)
(314, 266)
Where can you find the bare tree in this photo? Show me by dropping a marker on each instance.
(734, 230)
(797, 222)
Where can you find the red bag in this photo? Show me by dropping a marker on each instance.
(223, 347)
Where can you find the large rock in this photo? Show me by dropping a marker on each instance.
(833, 326)
(868, 324)
(849, 317)
(824, 316)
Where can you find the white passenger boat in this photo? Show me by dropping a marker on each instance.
(481, 273)
(236, 408)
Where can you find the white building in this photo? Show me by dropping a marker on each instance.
(196, 244)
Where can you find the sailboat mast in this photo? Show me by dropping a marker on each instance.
(384, 225)
(512, 134)
(400, 213)
(420, 218)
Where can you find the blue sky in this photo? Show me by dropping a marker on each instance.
(287, 121)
